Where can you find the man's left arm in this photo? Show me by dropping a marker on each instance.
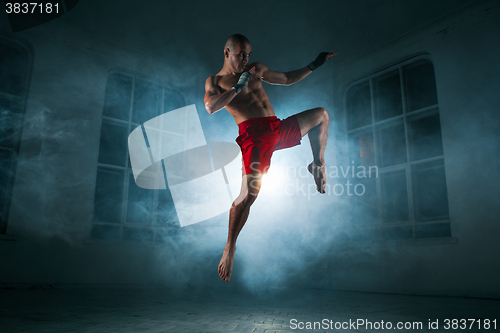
(288, 78)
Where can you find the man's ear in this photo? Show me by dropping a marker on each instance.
(226, 52)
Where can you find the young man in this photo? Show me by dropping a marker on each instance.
(238, 88)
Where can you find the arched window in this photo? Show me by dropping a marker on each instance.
(123, 210)
(393, 123)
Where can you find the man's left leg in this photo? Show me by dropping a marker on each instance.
(238, 215)
(315, 123)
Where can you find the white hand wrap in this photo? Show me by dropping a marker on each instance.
(242, 82)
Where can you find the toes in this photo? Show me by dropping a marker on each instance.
(221, 272)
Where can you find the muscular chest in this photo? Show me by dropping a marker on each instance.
(254, 85)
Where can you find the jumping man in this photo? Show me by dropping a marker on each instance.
(238, 88)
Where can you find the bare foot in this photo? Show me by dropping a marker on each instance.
(319, 174)
(226, 263)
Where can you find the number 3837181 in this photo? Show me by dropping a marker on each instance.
(31, 8)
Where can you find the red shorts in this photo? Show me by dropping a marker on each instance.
(260, 137)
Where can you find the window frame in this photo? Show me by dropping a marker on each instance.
(127, 169)
(374, 128)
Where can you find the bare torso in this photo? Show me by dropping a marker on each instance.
(251, 102)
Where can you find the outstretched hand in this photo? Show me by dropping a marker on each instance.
(320, 59)
(329, 55)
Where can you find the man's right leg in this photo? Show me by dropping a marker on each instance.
(315, 122)
(238, 215)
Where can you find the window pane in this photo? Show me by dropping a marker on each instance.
(10, 123)
(394, 196)
(118, 97)
(388, 101)
(405, 232)
(113, 146)
(420, 85)
(164, 235)
(362, 150)
(6, 182)
(136, 234)
(108, 200)
(166, 214)
(358, 105)
(102, 231)
(430, 193)
(147, 99)
(13, 69)
(173, 100)
(433, 230)
(365, 201)
(6, 172)
(140, 203)
(425, 136)
(392, 148)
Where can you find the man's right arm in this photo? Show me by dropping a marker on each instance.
(214, 99)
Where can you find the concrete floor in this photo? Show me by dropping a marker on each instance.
(155, 310)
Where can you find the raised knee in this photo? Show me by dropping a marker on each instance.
(323, 115)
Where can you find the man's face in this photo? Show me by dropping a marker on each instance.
(238, 58)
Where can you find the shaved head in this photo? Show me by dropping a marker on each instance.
(236, 53)
(234, 41)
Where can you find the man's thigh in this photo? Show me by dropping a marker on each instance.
(309, 119)
(289, 134)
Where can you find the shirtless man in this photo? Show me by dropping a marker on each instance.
(238, 88)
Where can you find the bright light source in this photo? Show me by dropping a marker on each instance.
(274, 181)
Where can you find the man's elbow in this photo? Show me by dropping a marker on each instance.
(209, 108)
